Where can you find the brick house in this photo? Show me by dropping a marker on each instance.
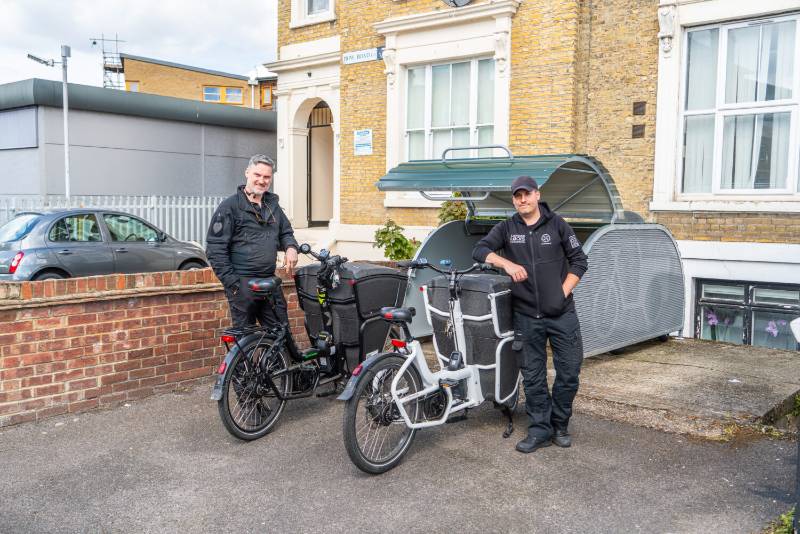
(158, 77)
(692, 106)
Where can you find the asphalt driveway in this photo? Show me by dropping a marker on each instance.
(166, 464)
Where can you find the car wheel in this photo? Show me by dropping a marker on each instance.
(192, 265)
(48, 275)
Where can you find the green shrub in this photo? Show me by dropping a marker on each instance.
(395, 245)
(783, 525)
(452, 211)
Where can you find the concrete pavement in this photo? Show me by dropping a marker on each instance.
(166, 464)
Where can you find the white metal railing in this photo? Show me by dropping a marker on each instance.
(183, 217)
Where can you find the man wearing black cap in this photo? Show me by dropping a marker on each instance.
(545, 260)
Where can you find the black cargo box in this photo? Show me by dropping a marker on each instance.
(485, 336)
(364, 289)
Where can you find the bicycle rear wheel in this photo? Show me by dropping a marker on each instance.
(375, 435)
(249, 408)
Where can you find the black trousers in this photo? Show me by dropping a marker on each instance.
(548, 411)
(247, 308)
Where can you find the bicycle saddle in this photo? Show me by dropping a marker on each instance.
(264, 286)
(400, 315)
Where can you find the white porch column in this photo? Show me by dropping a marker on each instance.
(298, 160)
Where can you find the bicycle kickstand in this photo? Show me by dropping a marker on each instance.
(510, 427)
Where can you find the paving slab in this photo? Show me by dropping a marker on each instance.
(688, 386)
(691, 386)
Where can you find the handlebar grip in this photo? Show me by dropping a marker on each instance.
(487, 267)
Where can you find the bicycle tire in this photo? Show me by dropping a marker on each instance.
(243, 409)
(380, 414)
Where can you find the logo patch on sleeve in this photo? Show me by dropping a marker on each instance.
(573, 241)
(216, 227)
(517, 238)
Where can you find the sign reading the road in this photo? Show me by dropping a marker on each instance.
(362, 141)
(360, 56)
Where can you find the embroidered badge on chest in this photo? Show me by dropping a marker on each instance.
(517, 238)
(545, 239)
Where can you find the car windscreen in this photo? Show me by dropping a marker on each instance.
(18, 227)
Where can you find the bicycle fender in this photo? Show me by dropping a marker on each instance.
(350, 388)
(219, 383)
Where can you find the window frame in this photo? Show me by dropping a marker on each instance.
(300, 16)
(791, 191)
(748, 306)
(85, 216)
(129, 83)
(107, 215)
(266, 89)
(427, 128)
(223, 95)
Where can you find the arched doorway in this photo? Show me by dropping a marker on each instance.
(319, 166)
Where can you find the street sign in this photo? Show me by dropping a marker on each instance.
(360, 56)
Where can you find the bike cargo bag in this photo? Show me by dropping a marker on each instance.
(364, 289)
(488, 329)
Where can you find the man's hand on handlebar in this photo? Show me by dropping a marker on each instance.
(290, 260)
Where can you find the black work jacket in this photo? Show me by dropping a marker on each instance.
(242, 242)
(548, 250)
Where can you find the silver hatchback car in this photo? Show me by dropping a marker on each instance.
(85, 242)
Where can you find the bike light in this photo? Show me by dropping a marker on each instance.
(351, 282)
(221, 368)
(227, 339)
(357, 370)
(15, 262)
(398, 343)
(388, 315)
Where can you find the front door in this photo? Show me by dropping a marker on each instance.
(320, 166)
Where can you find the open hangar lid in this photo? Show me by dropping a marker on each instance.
(576, 186)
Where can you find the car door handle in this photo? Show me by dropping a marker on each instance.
(65, 252)
(120, 250)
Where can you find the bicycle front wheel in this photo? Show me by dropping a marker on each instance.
(375, 434)
(249, 408)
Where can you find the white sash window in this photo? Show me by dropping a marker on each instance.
(740, 109)
(449, 105)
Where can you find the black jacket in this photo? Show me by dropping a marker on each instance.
(242, 242)
(548, 250)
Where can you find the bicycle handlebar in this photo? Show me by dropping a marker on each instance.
(322, 256)
(423, 263)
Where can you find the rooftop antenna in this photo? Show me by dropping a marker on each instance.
(112, 64)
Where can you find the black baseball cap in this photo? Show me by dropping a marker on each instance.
(524, 182)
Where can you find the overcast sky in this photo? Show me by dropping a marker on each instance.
(232, 36)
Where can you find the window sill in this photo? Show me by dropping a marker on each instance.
(413, 200)
(310, 21)
(741, 206)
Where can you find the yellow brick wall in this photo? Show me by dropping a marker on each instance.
(180, 83)
(577, 67)
(617, 67)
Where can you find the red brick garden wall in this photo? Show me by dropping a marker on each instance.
(73, 345)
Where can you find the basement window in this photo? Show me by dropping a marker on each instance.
(747, 313)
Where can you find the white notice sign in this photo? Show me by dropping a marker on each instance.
(362, 142)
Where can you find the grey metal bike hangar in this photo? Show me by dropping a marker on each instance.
(634, 289)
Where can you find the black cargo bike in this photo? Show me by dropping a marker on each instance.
(264, 368)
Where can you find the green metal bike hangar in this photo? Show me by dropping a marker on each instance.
(634, 289)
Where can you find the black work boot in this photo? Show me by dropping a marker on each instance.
(561, 437)
(531, 443)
